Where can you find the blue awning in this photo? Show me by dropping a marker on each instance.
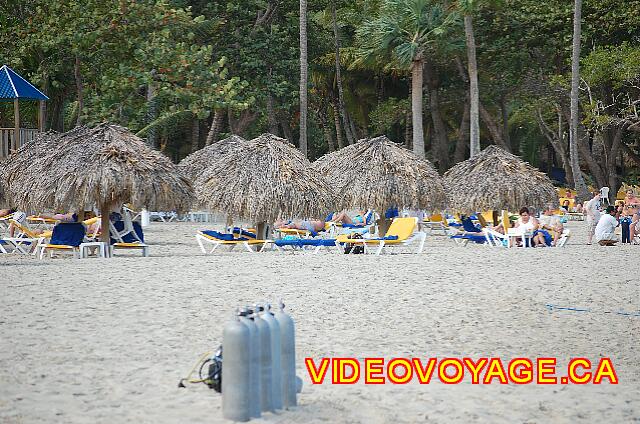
(13, 86)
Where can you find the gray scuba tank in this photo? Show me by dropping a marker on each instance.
(253, 364)
(276, 369)
(265, 360)
(235, 373)
(287, 357)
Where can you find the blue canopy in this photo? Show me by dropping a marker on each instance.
(13, 86)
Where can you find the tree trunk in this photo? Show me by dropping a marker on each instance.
(336, 121)
(505, 121)
(579, 183)
(271, 116)
(195, 134)
(152, 114)
(494, 128)
(416, 107)
(303, 77)
(440, 143)
(341, 104)
(79, 90)
(286, 128)
(557, 141)
(463, 133)
(328, 135)
(474, 113)
(216, 126)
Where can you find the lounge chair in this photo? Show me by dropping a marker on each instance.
(24, 239)
(470, 233)
(401, 232)
(436, 221)
(303, 244)
(122, 229)
(131, 239)
(216, 239)
(66, 238)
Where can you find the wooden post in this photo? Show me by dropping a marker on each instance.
(383, 226)
(16, 128)
(104, 225)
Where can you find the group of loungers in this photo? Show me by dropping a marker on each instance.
(77, 238)
(401, 232)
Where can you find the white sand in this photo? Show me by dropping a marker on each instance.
(106, 341)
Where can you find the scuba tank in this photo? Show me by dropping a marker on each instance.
(288, 357)
(265, 359)
(253, 364)
(235, 373)
(276, 370)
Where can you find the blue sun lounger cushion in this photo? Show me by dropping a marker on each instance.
(467, 225)
(223, 236)
(68, 234)
(305, 242)
(242, 232)
(129, 238)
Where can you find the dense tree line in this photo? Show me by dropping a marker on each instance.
(442, 77)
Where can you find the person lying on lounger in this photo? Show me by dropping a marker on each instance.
(312, 226)
(343, 217)
(60, 217)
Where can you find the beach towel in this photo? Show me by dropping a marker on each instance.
(68, 234)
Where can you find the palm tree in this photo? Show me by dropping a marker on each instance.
(578, 181)
(405, 33)
(467, 7)
(303, 77)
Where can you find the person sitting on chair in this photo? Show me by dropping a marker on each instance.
(633, 210)
(605, 229)
(550, 228)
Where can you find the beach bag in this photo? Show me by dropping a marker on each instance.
(356, 249)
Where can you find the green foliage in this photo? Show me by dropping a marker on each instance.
(404, 31)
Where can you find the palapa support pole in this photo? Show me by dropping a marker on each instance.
(104, 226)
(383, 226)
(261, 232)
(16, 125)
(229, 222)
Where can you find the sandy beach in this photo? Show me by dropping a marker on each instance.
(106, 341)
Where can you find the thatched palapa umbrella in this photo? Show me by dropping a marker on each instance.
(497, 180)
(194, 164)
(378, 174)
(263, 180)
(106, 165)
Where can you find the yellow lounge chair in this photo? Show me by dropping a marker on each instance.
(210, 238)
(436, 221)
(24, 240)
(144, 248)
(401, 232)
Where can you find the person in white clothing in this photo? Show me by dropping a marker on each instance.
(592, 210)
(605, 230)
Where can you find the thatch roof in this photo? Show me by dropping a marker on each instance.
(193, 165)
(266, 179)
(496, 180)
(378, 173)
(105, 165)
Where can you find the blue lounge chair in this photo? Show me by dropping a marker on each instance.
(66, 237)
(470, 233)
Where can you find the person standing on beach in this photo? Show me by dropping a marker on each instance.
(592, 209)
(605, 230)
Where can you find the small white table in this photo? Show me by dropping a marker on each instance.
(102, 249)
(513, 236)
